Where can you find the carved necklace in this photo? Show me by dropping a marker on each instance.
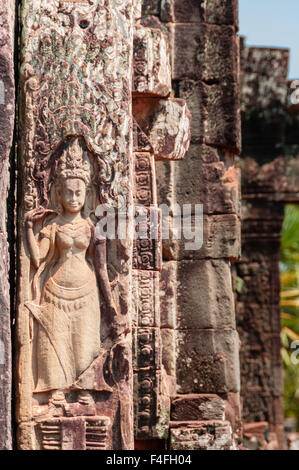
(73, 228)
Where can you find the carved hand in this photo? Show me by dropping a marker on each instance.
(119, 327)
(36, 215)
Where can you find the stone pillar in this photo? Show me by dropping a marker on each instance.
(74, 344)
(161, 131)
(269, 179)
(200, 337)
(258, 316)
(7, 111)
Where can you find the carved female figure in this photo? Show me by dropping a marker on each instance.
(70, 263)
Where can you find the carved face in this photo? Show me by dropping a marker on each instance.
(72, 195)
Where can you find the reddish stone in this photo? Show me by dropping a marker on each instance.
(215, 111)
(7, 108)
(205, 52)
(197, 408)
(195, 11)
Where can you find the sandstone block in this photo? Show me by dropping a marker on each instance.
(208, 361)
(196, 237)
(205, 298)
(193, 11)
(273, 62)
(168, 294)
(168, 337)
(197, 408)
(201, 435)
(145, 179)
(205, 52)
(146, 299)
(213, 185)
(263, 92)
(152, 73)
(215, 111)
(167, 125)
(165, 182)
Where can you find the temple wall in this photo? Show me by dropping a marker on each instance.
(199, 329)
(7, 114)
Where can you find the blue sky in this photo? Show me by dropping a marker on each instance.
(272, 23)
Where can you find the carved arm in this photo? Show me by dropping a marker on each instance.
(38, 251)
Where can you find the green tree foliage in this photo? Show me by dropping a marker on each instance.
(289, 269)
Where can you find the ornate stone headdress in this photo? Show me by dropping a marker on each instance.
(73, 164)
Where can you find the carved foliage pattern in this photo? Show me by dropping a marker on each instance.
(75, 82)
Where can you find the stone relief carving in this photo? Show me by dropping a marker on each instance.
(68, 258)
(73, 325)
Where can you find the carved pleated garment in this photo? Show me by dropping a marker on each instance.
(68, 338)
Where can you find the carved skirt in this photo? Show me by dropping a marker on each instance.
(68, 338)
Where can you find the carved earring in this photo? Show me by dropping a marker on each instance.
(55, 199)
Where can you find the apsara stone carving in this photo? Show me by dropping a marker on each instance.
(67, 260)
(74, 314)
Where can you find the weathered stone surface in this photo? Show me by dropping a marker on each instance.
(167, 125)
(168, 337)
(77, 433)
(262, 91)
(274, 181)
(145, 179)
(75, 153)
(215, 236)
(215, 185)
(152, 407)
(168, 295)
(147, 348)
(267, 61)
(165, 182)
(215, 111)
(208, 361)
(137, 5)
(194, 94)
(150, 7)
(167, 186)
(197, 408)
(223, 123)
(193, 11)
(7, 111)
(205, 52)
(147, 250)
(205, 299)
(201, 435)
(233, 414)
(146, 298)
(152, 73)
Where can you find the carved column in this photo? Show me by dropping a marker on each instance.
(205, 72)
(74, 368)
(7, 107)
(161, 131)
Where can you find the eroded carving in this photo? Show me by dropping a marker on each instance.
(67, 257)
(75, 153)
